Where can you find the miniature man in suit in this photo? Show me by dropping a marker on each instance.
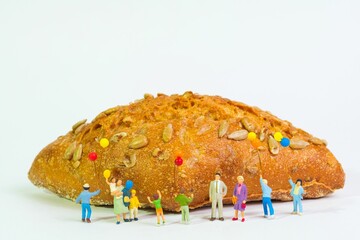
(217, 192)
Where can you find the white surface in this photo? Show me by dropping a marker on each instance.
(62, 61)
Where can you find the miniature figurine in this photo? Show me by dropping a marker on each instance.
(239, 198)
(84, 198)
(126, 196)
(112, 184)
(159, 210)
(119, 207)
(217, 191)
(184, 201)
(266, 198)
(296, 192)
(134, 206)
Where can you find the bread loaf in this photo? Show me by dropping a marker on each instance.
(170, 142)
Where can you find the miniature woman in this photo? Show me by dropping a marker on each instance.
(239, 199)
(119, 207)
(296, 192)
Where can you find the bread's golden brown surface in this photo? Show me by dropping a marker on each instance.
(208, 132)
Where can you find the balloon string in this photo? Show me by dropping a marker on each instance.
(259, 160)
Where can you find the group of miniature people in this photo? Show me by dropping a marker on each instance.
(125, 200)
(218, 190)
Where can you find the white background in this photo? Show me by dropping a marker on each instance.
(63, 61)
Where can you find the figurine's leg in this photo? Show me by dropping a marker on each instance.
(295, 205)
(182, 214)
(135, 213)
(186, 214)
(131, 213)
(213, 208)
(236, 214)
(83, 211)
(271, 208)
(300, 206)
(265, 207)
(220, 206)
(89, 212)
(242, 215)
(158, 218)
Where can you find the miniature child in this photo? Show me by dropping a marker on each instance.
(184, 201)
(112, 185)
(296, 192)
(84, 198)
(159, 210)
(266, 198)
(134, 206)
(240, 196)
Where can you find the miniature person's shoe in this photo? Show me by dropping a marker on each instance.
(243, 220)
(266, 216)
(130, 219)
(234, 219)
(221, 219)
(135, 219)
(212, 219)
(83, 219)
(158, 224)
(299, 213)
(294, 213)
(88, 220)
(126, 220)
(271, 217)
(118, 222)
(163, 222)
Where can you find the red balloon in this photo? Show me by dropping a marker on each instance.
(92, 156)
(178, 161)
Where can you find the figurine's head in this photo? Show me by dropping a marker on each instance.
(217, 176)
(86, 186)
(156, 196)
(265, 181)
(240, 179)
(118, 182)
(299, 182)
(113, 180)
(129, 184)
(133, 192)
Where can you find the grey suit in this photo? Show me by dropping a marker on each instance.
(216, 196)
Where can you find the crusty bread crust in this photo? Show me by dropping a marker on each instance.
(207, 132)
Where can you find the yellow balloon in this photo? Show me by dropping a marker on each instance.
(251, 136)
(107, 173)
(278, 136)
(104, 142)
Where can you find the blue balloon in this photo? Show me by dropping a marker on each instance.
(285, 142)
(129, 184)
